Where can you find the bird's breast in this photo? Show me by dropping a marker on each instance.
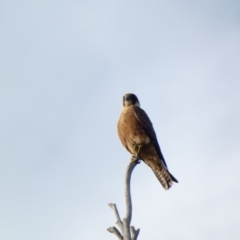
(131, 130)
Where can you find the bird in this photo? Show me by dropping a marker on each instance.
(137, 135)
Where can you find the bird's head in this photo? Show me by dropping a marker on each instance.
(130, 99)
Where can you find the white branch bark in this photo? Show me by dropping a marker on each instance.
(119, 221)
(128, 216)
(116, 232)
(128, 199)
(134, 233)
(127, 232)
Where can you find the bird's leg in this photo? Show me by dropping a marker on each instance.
(135, 159)
(137, 148)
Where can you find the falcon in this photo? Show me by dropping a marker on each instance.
(137, 135)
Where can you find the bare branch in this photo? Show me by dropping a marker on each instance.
(116, 232)
(126, 232)
(115, 210)
(125, 224)
(134, 233)
(128, 215)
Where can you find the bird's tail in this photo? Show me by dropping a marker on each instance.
(162, 173)
(158, 166)
(164, 177)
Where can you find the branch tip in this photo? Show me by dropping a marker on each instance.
(116, 232)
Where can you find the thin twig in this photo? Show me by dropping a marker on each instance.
(119, 221)
(134, 233)
(116, 232)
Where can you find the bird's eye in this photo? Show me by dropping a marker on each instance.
(127, 98)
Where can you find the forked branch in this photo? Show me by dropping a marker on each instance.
(126, 232)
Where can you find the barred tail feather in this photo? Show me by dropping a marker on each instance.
(158, 167)
(164, 177)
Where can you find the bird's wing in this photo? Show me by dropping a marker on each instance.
(147, 124)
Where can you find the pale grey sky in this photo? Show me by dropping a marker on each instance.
(64, 68)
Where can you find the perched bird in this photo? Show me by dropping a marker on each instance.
(137, 135)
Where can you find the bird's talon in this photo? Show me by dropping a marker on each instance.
(137, 147)
(135, 159)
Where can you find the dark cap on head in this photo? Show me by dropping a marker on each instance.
(130, 99)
